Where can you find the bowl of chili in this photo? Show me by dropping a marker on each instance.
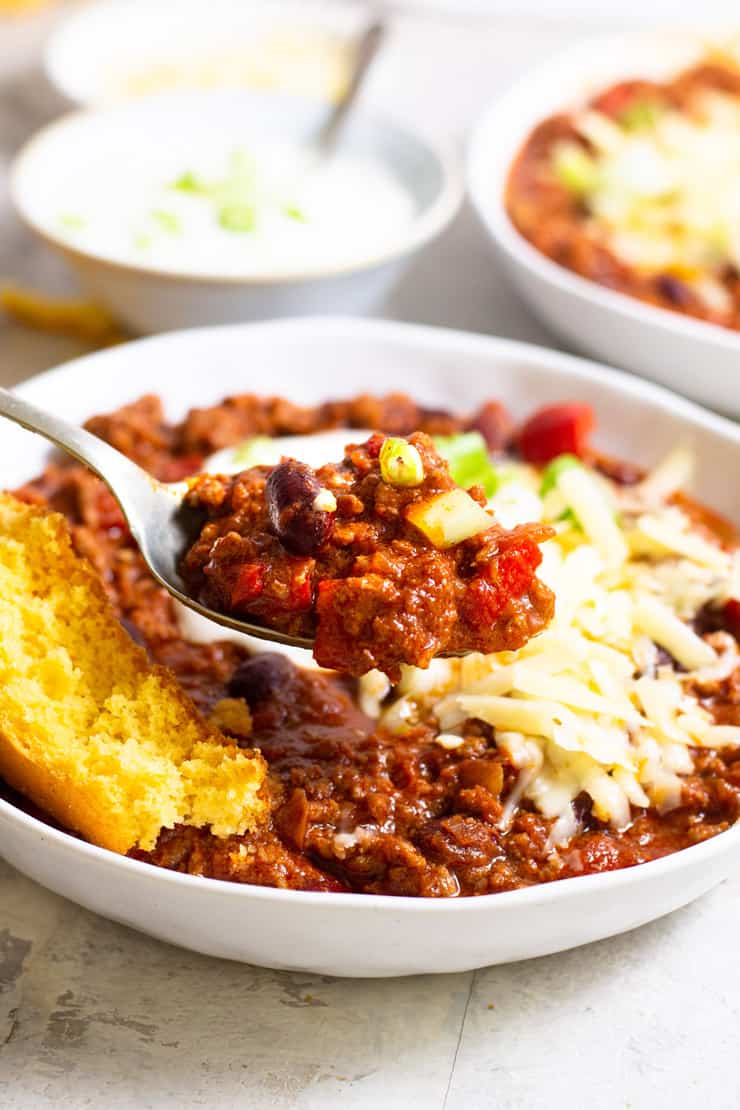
(655, 302)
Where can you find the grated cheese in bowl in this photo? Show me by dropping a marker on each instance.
(601, 702)
(660, 187)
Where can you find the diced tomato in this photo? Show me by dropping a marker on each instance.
(249, 584)
(516, 566)
(512, 574)
(176, 469)
(556, 430)
(374, 444)
(301, 592)
(616, 100)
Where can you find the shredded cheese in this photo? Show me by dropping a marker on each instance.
(593, 704)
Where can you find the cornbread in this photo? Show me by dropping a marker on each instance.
(90, 730)
(82, 320)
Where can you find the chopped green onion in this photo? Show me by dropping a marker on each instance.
(641, 115)
(575, 168)
(168, 221)
(468, 460)
(400, 463)
(142, 241)
(553, 470)
(189, 182)
(293, 212)
(237, 217)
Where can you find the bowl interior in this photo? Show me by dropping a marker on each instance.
(313, 360)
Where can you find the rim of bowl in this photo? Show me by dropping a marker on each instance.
(539, 893)
(68, 35)
(482, 158)
(421, 229)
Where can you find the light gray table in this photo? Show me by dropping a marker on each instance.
(93, 1015)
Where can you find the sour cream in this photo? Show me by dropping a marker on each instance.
(263, 209)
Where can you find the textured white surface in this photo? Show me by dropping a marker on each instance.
(93, 1015)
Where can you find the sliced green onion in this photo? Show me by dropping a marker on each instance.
(189, 182)
(168, 221)
(553, 470)
(400, 463)
(293, 212)
(449, 518)
(237, 217)
(641, 115)
(468, 460)
(575, 168)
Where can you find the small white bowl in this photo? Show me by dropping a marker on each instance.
(366, 934)
(698, 359)
(106, 51)
(151, 297)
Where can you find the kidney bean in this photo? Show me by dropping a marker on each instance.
(261, 677)
(290, 494)
(675, 291)
(494, 424)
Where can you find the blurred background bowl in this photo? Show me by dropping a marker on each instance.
(151, 297)
(698, 359)
(115, 49)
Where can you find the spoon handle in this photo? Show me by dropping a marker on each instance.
(122, 476)
(367, 47)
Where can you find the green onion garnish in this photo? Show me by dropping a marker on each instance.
(468, 460)
(641, 115)
(400, 463)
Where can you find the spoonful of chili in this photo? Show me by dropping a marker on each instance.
(379, 560)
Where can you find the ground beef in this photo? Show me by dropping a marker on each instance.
(360, 577)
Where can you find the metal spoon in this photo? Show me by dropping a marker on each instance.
(159, 522)
(366, 48)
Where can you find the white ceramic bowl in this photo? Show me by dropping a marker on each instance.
(152, 297)
(700, 360)
(355, 934)
(94, 52)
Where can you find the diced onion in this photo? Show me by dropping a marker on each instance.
(449, 518)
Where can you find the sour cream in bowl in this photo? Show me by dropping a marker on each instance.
(210, 208)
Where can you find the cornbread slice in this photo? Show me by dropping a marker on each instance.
(90, 730)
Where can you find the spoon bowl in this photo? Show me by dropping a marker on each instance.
(161, 524)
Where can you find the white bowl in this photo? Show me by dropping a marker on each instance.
(699, 359)
(358, 934)
(152, 297)
(93, 51)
